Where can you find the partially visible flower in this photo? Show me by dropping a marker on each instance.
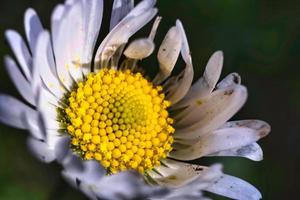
(104, 121)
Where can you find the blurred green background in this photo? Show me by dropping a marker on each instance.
(260, 40)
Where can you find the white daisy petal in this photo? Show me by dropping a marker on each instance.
(194, 188)
(11, 111)
(62, 148)
(205, 85)
(230, 79)
(168, 53)
(175, 174)
(220, 140)
(119, 10)
(207, 114)
(33, 27)
(120, 34)
(251, 151)
(21, 51)
(92, 13)
(41, 150)
(69, 45)
(183, 81)
(56, 17)
(41, 61)
(22, 85)
(234, 188)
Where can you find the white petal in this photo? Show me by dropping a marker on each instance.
(42, 60)
(207, 114)
(251, 151)
(220, 140)
(41, 150)
(230, 79)
(234, 188)
(33, 27)
(139, 49)
(92, 13)
(21, 51)
(168, 53)
(175, 174)
(19, 80)
(69, 46)
(194, 188)
(120, 34)
(11, 111)
(205, 85)
(119, 10)
(182, 83)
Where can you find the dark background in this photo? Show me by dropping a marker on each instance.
(260, 40)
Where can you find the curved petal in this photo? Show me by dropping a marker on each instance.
(220, 140)
(205, 115)
(206, 84)
(33, 27)
(119, 35)
(182, 83)
(234, 188)
(11, 111)
(21, 52)
(19, 80)
(119, 10)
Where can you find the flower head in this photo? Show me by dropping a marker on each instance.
(117, 133)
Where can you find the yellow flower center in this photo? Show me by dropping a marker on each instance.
(120, 119)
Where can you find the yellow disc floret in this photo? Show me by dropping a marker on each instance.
(119, 119)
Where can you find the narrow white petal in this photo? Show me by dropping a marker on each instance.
(56, 17)
(230, 79)
(11, 111)
(92, 13)
(205, 85)
(21, 51)
(119, 10)
(33, 27)
(168, 53)
(234, 188)
(22, 85)
(251, 151)
(207, 114)
(182, 83)
(41, 150)
(139, 49)
(220, 140)
(42, 60)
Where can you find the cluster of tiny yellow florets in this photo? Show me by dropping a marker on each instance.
(120, 119)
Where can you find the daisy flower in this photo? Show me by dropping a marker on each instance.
(117, 133)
